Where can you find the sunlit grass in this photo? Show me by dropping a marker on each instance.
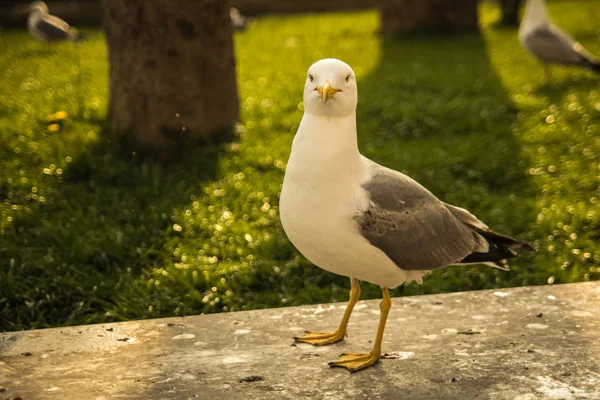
(89, 234)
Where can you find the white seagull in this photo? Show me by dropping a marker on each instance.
(548, 43)
(354, 217)
(47, 27)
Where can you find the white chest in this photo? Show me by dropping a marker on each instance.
(317, 205)
(321, 191)
(536, 16)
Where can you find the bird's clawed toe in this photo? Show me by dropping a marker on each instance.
(321, 338)
(355, 362)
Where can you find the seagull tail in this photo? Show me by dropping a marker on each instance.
(595, 66)
(499, 249)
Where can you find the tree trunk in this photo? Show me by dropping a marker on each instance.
(406, 16)
(510, 12)
(172, 72)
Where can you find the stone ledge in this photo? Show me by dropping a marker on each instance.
(522, 343)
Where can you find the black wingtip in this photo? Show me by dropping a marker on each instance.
(501, 248)
(526, 246)
(516, 245)
(592, 64)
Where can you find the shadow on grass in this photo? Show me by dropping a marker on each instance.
(44, 51)
(558, 87)
(102, 224)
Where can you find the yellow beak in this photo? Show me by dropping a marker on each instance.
(326, 92)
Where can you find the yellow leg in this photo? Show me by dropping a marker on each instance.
(323, 338)
(356, 362)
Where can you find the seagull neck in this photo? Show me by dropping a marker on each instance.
(536, 12)
(36, 14)
(328, 141)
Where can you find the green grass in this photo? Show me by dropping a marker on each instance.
(88, 234)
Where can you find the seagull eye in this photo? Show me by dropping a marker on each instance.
(311, 77)
(348, 78)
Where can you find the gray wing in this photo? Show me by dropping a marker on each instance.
(550, 44)
(53, 29)
(411, 226)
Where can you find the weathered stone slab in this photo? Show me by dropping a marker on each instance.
(523, 343)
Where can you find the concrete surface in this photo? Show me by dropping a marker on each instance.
(524, 343)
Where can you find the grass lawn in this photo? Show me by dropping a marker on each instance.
(88, 234)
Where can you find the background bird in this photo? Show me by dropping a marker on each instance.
(354, 217)
(47, 27)
(238, 21)
(548, 43)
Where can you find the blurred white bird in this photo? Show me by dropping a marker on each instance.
(47, 27)
(548, 43)
(238, 21)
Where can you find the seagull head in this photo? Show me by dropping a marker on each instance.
(330, 89)
(36, 6)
